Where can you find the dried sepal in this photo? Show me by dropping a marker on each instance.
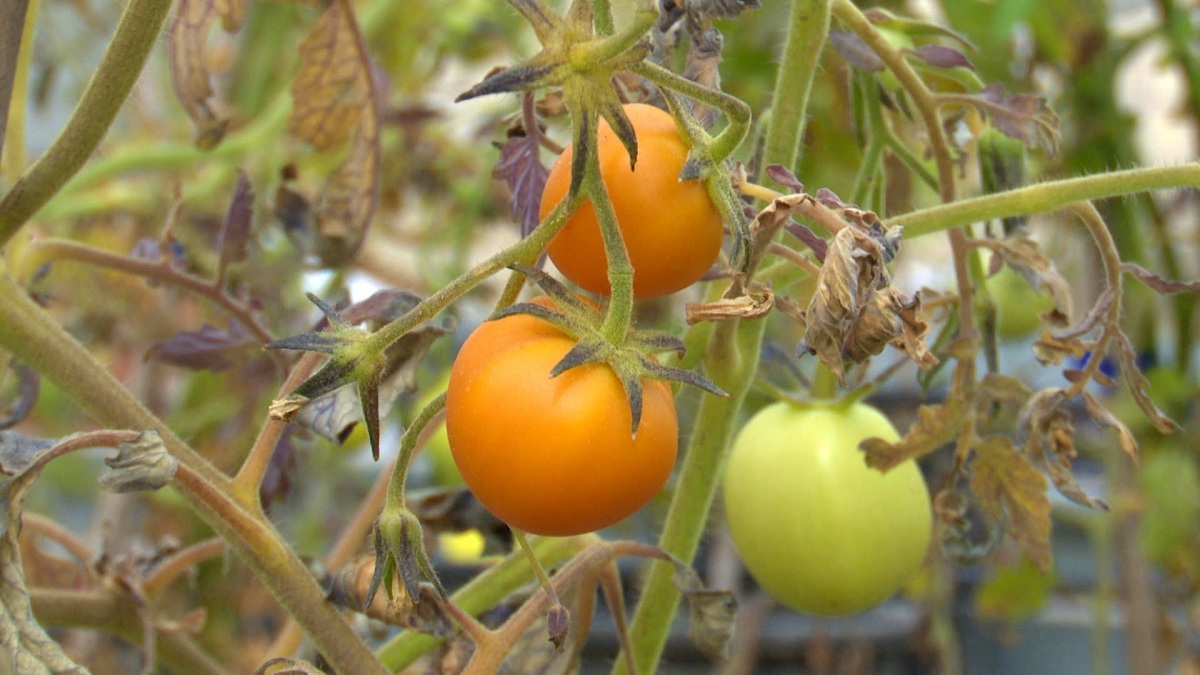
(400, 548)
(1013, 492)
(1159, 284)
(140, 464)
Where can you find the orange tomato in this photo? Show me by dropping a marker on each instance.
(553, 455)
(671, 229)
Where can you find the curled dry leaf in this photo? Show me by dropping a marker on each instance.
(1051, 350)
(1136, 382)
(335, 96)
(958, 524)
(1021, 253)
(713, 613)
(1013, 492)
(855, 311)
(754, 305)
(1048, 435)
(998, 389)
(194, 20)
(1158, 283)
(1021, 116)
(1104, 418)
(936, 426)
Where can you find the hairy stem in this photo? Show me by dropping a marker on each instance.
(16, 49)
(137, 32)
(31, 335)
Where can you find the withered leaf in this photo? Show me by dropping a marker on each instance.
(936, 426)
(1021, 253)
(209, 348)
(142, 463)
(1048, 435)
(521, 167)
(1023, 116)
(334, 415)
(335, 95)
(957, 526)
(1105, 418)
(28, 386)
(1012, 491)
(713, 613)
(350, 585)
(754, 305)
(1136, 382)
(235, 229)
(286, 665)
(1158, 283)
(189, 74)
(996, 388)
(855, 312)
(1050, 350)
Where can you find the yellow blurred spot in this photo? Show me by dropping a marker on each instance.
(461, 548)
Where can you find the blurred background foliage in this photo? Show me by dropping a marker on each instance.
(1124, 78)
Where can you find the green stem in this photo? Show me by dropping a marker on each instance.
(1044, 197)
(32, 335)
(620, 270)
(15, 54)
(731, 361)
(807, 29)
(734, 109)
(137, 32)
(408, 443)
(429, 308)
(585, 55)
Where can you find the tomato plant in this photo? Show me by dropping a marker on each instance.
(670, 227)
(553, 455)
(817, 528)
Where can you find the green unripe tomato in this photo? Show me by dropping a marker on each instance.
(818, 529)
(1018, 306)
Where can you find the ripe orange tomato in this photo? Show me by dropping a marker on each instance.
(553, 455)
(671, 229)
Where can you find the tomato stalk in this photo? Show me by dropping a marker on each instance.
(731, 367)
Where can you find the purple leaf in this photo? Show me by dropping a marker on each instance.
(818, 245)
(28, 387)
(940, 56)
(784, 176)
(856, 52)
(1022, 116)
(235, 230)
(277, 480)
(520, 166)
(209, 348)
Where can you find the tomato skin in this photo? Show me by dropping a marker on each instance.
(817, 528)
(553, 456)
(671, 229)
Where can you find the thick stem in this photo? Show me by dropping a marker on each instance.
(620, 270)
(730, 361)
(16, 49)
(32, 336)
(1043, 197)
(808, 27)
(119, 68)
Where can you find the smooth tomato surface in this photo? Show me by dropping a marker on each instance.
(817, 528)
(553, 456)
(671, 229)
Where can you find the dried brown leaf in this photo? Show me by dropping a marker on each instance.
(350, 587)
(936, 426)
(1021, 116)
(1048, 435)
(1105, 418)
(1021, 253)
(1158, 283)
(194, 20)
(1050, 350)
(335, 95)
(996, 388)
(1012, 491)
(754, 305)
(1137, 383)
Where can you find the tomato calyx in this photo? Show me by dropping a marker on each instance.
(631, 361)
(400, 548)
